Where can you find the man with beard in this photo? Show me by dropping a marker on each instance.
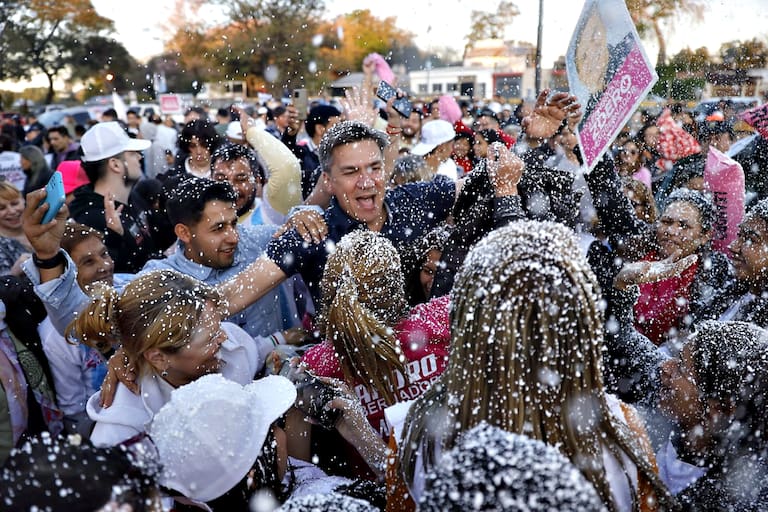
(112, 162)
(411, 131)
(238, 165)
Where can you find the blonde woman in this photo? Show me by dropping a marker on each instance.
(169, 325)
(373, 343)
(526, 357)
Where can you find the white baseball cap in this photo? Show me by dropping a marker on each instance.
(105, 140)
(433, 134)
(211, 431)
(235, 130)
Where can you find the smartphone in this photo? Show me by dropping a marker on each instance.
(402, 105)
(55, 197)
(301, 103)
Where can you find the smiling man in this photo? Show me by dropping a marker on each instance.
(354, 174)
(238, 165)
(213, 247)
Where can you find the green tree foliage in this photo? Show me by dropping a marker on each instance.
(267, 35)
(96, 56)
(491, 25)
(691, 61)
(44, 36)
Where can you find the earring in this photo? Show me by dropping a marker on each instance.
(164, 373)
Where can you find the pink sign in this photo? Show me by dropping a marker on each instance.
(170, 103)
(757, 118)
(724, 178)
(608, 72)
(617, 102)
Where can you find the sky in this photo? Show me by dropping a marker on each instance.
(445, 23)
(441, 23)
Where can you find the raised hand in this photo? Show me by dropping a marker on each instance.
(548, 114)
(44, 238)
(505, 169)
(112, 214)
(359, 107)
(641, 272)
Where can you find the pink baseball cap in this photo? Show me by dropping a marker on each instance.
(73, 175)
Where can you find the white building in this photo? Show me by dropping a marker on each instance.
(492, 68)
(478, 83)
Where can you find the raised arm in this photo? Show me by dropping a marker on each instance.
(44, 238)
(251, 284)
(634, 238)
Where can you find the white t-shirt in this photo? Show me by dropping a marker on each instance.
(449, 170)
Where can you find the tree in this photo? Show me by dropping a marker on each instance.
(361, 34)
(42, 36)
(691, 61)
(268, 35)
(98, 55)
(744, 54)
(491, 25)
(648, 15)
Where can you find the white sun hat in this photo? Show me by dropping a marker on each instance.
(105, 140)
(433, 134)
(211, 432)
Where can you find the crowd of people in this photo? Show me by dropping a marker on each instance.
(349, 308)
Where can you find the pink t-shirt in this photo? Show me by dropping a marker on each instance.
(424, 336)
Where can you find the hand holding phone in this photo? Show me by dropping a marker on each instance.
(301, 102)
(55, 197)
(311, 399)
(402, 105)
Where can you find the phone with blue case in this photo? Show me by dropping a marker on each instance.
(55, 197)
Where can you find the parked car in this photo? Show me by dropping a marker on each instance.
(144, 109)
(81, 115)
(739, 104)
(49, 108)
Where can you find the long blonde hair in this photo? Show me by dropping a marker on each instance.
(159, 309)
(363, 298)
(527, 335)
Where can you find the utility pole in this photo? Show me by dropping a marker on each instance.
(538, 47)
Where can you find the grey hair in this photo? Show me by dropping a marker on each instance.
(347, 132)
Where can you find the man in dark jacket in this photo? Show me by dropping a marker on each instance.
(62, 146)
(112, 161)
(320, 119)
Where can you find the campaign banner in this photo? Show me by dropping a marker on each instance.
(609, 73)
